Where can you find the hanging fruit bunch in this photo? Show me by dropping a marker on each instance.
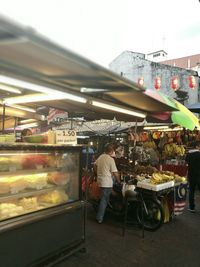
(173, 150)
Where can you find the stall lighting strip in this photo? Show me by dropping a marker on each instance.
(42, 97)
(28, 125)
(49, 93)
(118, 109)
(27, 121)
(22, 107)
(155, 127)
(82, 137)
(9, 89)
(171, 129)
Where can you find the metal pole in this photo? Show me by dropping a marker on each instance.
(135, 133)
(3, 118)
(15, 125)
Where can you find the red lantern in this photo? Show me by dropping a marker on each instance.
(157, 83)
(141, 81)
(174, 83)
(192, 82)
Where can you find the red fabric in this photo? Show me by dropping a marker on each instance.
(94, 191)
(163, 116)
(177, 169)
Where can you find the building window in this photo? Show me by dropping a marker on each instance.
(156, 55)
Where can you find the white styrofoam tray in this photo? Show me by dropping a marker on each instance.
(154, 187)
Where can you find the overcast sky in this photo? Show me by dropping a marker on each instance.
(102, 29)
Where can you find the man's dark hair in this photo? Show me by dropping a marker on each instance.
(108, 148)
(26, 132)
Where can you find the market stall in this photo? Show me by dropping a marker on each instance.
(41, 199)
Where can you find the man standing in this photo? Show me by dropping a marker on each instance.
(193, 160)
(105, 168)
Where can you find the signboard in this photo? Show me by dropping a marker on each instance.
(66, 137)
(56, 115)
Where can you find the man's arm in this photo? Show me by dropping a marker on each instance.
(117, 176)
(95, 168)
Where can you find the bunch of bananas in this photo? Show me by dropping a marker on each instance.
(156, 178)
(171, 150)
(179, 150)
(179, 179)
(149, 144)
(166, 176)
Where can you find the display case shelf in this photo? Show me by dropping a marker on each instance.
(29, 193)
(30, 171)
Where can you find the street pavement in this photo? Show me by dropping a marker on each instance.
(175, 244)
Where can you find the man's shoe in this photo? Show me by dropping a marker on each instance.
(191, 210)
(99, 221)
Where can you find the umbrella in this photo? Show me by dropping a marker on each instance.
(182, 116)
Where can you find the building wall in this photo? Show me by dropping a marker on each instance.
(134, 65)
(157, 56)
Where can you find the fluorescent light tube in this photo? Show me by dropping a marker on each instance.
(118, 109)
(82, 137)
(54, 94)
(171, 129)
(9, 89)
(92, 90)
(155, 127)
(22, 108)
(27, 121)
(29, 125)
(42, 97)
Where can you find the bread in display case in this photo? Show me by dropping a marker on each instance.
(33, 179)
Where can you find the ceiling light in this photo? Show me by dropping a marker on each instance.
(42, 97)
(22, 107)
(55, 94)
(9, 89)
(27, 121)
(11, 112)
(171, 129)
(155, 127)
(118, 109)
(92, 90)
(29, 125)
(82, 137)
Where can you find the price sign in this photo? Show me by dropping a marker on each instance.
(66, 137)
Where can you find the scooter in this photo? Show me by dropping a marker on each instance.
(147, 211)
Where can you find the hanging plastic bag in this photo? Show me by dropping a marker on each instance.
(94, 191)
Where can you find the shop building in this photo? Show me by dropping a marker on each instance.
(189, 62)
(171, 80)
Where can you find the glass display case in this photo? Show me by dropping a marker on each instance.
(33, 180)
(40, 203)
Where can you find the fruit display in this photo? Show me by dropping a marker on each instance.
(34, 161)
(37, 138)
(149, 170)
(9, 164)
(166, 176)
(58, 178)
(173, 150)
(149, 144)
(54, 197)
(157, 177)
